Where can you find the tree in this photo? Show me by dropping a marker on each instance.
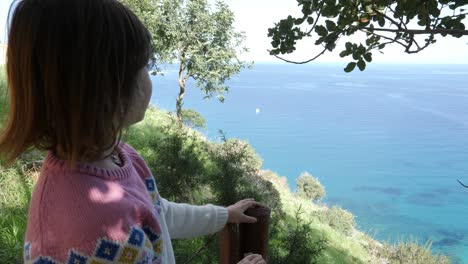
(412, 24)
(309, 187)
(193, 119)
(203, 42)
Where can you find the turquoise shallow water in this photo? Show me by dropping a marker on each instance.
(388, 143)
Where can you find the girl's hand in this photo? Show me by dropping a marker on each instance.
(252, 259)
(236, 212)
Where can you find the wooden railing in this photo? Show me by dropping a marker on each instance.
(238, 240)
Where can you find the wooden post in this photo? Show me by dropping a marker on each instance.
(229, 244)
(253, 238)
(238, 240)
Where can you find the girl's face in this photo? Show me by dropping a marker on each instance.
(141, 99)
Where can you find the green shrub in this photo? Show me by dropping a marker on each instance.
(338, 219)
(199, 250)
(293, 241)
(309, 187)
(232, 171)
(3, 95)
(188, 168)
(176, 156)
(412, 252)
(15, 195)
(233, 164)
(192, 118)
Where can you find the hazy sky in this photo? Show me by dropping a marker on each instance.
(4, 5)
(254, 17)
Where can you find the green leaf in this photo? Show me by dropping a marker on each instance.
(381, 20)
(368, 57)
(331, 26)
(319, 41)
(361, 49)
(433, 8)
(356, 55)
(330, 11)
(321, 30)
(344, 53)
(361, 65)
(298, 21)
(331, 46)
(350, 67)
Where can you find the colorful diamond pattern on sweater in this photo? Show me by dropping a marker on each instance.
(27, 251)
(136, 237)
(142, 246)
(107, 250)
(158, 201)
(158, 247)
(76, 258)
(128, 255)
(148, 244)
(156, 242)
(150, 184)
(44, 260)
(153, 236)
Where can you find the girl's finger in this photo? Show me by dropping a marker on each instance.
(258, 259)
(249, 204)
(248, 219)
(252, 257)
(246, 200)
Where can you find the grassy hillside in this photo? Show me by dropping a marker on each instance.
(190, 168)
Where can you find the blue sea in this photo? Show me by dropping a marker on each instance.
(388, 143)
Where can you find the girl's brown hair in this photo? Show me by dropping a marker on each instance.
(71, 68)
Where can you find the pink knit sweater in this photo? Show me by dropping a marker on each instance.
(92, 215)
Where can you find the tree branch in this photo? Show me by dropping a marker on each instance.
(401, 18)
(391, 40)
(411, 41)
(317, 19)
(419, 31)
(406, 46)
(187, 76)
(200, 250)
(398, 25)
(428, 42)
(300, 62)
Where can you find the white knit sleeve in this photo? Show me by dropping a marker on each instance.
(185, 221)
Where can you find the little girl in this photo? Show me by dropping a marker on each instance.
(77, 78)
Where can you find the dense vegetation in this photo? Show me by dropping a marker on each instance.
(190, 168)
